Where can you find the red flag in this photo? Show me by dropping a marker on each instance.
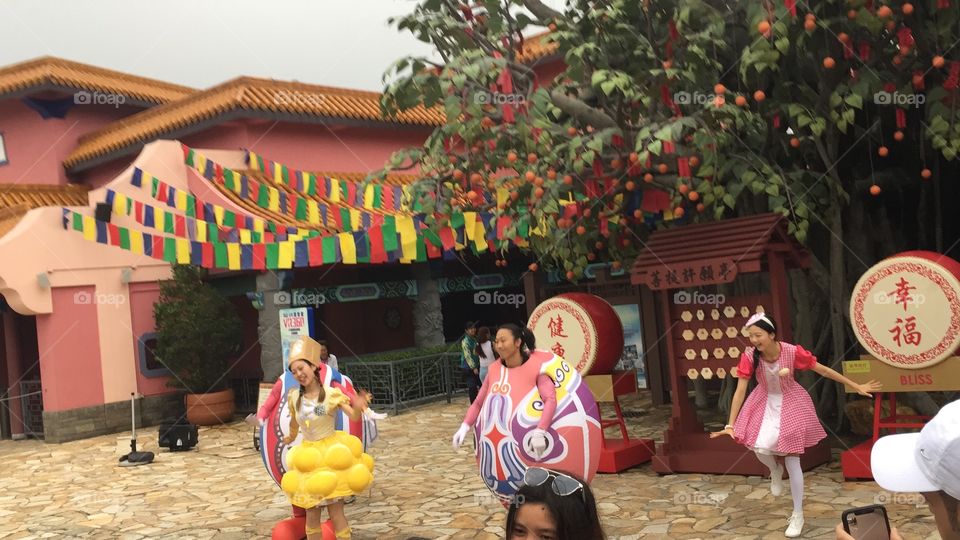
(259, 256)
(447, 239)
(901, 118)
(206, 252)
(161, 191)
(377, 252)
(502, 223)
(180, 226)
(654, 201)
(315, 250)
(158, 245)
(668, 147)
(138, 211)
(114, 234)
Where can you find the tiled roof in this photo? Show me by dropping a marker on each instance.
(37, 195)
(536, 47)
(50, 72)
(243, 95)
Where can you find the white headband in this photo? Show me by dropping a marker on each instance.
(759, 317)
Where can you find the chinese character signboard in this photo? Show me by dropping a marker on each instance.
(693, 273)
(906, 310)
(582, 328)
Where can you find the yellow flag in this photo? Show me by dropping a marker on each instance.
(313, 212)
(158, 217)
(502, 195)
(355, 220)
(348, 249)
(244, 236)
(201, 231)
(252, 162)
(218, 214)
(277, 173)
(368, 195)
(408, 237)
(136, 241)
(334, 194)
(233, 256)
(479, 236)
(181, 200)
(274, 203)
(469, 223)
(183, 251)
(119, 204)
(200, 162)
(285, 259)
(258, 225)
(89, 228)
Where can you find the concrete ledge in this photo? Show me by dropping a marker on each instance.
(64, 426)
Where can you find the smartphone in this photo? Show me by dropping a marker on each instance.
(867, 522)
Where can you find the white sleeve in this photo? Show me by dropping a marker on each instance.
(332, 361)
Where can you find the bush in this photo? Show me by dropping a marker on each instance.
(198, 331)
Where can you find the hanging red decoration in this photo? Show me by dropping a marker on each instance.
(668, 147)
(901, 118)
(791, 6)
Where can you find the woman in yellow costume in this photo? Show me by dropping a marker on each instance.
(327, 465)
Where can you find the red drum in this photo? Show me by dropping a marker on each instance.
(582, 328)
(906, 309)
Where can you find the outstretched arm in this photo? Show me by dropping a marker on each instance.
(738, 396)
(862, 389)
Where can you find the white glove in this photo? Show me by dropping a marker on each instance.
(252, 420)
(369, 413)
(262, 422)
(460, 435)
(538, 442)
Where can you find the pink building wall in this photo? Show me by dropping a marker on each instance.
(70, 351)
(142, 298)
(36, 147)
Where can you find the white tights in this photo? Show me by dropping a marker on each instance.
(796, 476)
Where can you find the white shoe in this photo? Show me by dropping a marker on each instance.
(795, 527)
(776, 481)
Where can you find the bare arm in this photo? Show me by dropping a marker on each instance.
(830, 373)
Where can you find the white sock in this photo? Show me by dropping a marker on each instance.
(769, 461)
(796, 482)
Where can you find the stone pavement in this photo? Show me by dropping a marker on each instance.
(422, 488)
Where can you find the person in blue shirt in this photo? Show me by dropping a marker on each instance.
(469, 360)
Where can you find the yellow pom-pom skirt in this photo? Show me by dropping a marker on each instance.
(325, 471)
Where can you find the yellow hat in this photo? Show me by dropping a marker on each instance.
(306, 349)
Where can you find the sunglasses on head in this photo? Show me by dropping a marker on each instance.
(562, 484)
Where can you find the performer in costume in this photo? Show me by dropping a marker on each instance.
(778, 420)
(327, 465)
(532, 409)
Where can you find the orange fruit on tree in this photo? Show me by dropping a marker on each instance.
(763, 27)
(633, 157)
(530, 175)
(898, 135)
(591, 256)
(616, 265)
(884, 11)
(571, 131)
(531, 158)
(810, 25)
(683, 189)
(552, 174)
(637, 214)
(701, 207)
(587, 212)
(567, 179)
(533, 267)
(874, 190)
(629, 185)
(648, 178)
(740, 101)
(538, 181)
(598, 245)
(907, 8)
(693, 161)
(662, 168)
(538, 192)
(570, 275)
(581, 230)
(829, 62)
(514, 195)
(476, 178)
(625, 242)
(719, 88)
(938, 62)
(925, 174)
(457, 174)
(891, 25)
(843, 37)
(795, 142)
(883, 151)
(615, 163)
(852, 14)
(897, 60)
(759, 95)
(667, 64)
(511, 156)
(678, 212)
(693, 196)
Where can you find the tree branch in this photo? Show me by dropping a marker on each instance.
(583, 113)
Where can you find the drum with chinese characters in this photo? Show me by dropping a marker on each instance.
(273, 451)
(583, 328)
(906, 309)
(512, 410)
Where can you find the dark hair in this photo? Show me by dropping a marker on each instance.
(575, 516)
(483, 336)
(525, 335)
(769, 327)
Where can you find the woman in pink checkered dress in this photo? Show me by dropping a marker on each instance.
(778, 421)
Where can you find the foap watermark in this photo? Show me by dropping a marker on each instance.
(897, 98)
(698, 298)
(909, 499)
(98, 98)
(496, 98)
(294, 97)
(693, 98)
(298, 298)
(486, 298)
(486, 498)
(699, 497)
(84, 298)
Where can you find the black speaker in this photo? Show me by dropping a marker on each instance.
(177, 436)
(103, 212)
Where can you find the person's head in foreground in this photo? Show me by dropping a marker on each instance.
(927, 462)
(553, 506)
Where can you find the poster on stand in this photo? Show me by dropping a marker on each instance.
(294, 322)
(632, 357)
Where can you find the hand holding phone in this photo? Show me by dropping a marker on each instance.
(866, 523)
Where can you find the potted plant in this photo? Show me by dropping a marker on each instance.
(198, 332)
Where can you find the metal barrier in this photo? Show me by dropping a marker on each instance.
(400, 384)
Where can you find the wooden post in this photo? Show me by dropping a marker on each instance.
(532, 282)
(779, 293)
(654, 353)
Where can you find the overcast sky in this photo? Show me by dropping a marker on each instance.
(201, 43)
